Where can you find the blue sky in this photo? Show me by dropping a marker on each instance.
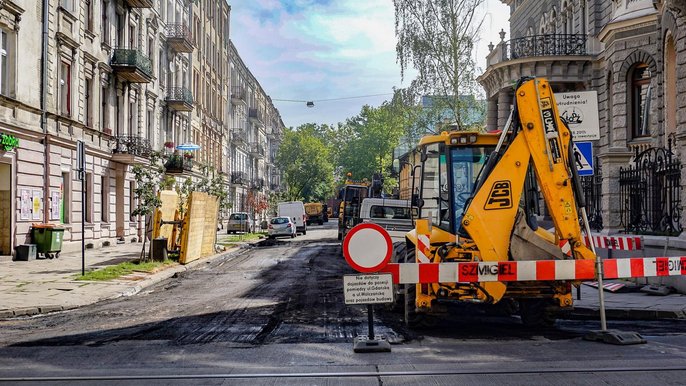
(314, 50)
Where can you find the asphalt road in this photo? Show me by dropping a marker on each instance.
(275, 315)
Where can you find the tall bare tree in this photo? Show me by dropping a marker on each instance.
(437, 38)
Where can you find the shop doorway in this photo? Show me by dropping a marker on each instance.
(6, 228)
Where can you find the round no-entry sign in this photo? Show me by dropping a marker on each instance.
(367, 247)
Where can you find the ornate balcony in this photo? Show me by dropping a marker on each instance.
(180, 38)
(238, 136)
(545, 45)
(180, 99)
(130, 149)
(257, 184)
(255, 115)
(257, 150)
(132, 65)
(178, 164)
(239, 178)
(139, 3)
(237, 95)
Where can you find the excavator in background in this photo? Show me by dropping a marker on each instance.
(474, 204)
(351, 195)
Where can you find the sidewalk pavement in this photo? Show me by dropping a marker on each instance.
(48, 285)
(629, 305)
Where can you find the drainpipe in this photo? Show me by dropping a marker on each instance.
(43, 108)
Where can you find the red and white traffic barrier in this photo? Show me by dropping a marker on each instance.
(620, 243)
(539, 270)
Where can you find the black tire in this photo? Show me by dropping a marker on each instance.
(413, 319)
(534, 313)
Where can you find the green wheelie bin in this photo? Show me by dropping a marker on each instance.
(48, 239)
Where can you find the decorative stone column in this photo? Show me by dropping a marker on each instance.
(492, 115)
(504, 107)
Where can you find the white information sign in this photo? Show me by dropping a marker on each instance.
(368, 289)
(580, 110)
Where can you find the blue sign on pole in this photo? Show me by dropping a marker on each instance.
(583, 158)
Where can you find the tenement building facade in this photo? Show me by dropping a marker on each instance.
(126, 77)
(632, 53)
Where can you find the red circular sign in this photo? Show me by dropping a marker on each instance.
(367, 247)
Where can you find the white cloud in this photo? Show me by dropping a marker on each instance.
(320, 49)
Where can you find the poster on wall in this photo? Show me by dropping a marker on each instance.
(55, 205)
(25, 204)
(37, 204)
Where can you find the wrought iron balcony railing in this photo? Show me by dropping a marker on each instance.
(257, 183)
(237, 94)
(177, 164)
(180, 99)
(133, 145)
(132, 65)
(140, 3)
(255, 115)
(239, 178)
(180, 37)
(256, 149)
(545, 45)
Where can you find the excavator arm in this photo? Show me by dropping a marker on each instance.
(541, 139)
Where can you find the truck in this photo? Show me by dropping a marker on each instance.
(296, 211)
(316, 213)
(474, 206)
(394, 215)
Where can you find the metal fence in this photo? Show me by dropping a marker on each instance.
(592, 190)
(650, 193)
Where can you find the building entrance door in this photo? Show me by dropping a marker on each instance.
(6, 229)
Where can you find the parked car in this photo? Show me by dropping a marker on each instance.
(240, 222)
(281, 226)
(296, 211)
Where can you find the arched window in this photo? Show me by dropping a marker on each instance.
(670, 86)
(639, 100)
(610, 109)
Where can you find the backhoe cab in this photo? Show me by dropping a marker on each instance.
(475, 196)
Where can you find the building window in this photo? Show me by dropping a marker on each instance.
(65, 207)
(89, 15)
(104, 199)
(132, 200)
(104, 23)
(88, 187)
(670, 86)
(103, 108)
(65, 88)
(4, 64)
(639, 100)
(88, 99)
(67, 5)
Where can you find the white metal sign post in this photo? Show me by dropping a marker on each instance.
(81, 166)
(368, 249)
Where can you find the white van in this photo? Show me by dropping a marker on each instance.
(393, 215)
(296, 211)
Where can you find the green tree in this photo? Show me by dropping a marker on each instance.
(148, 178)
(370, 140)
(306, 163)
(437, 38)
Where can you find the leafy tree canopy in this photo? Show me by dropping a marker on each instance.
(437, 38)
(306, 162)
